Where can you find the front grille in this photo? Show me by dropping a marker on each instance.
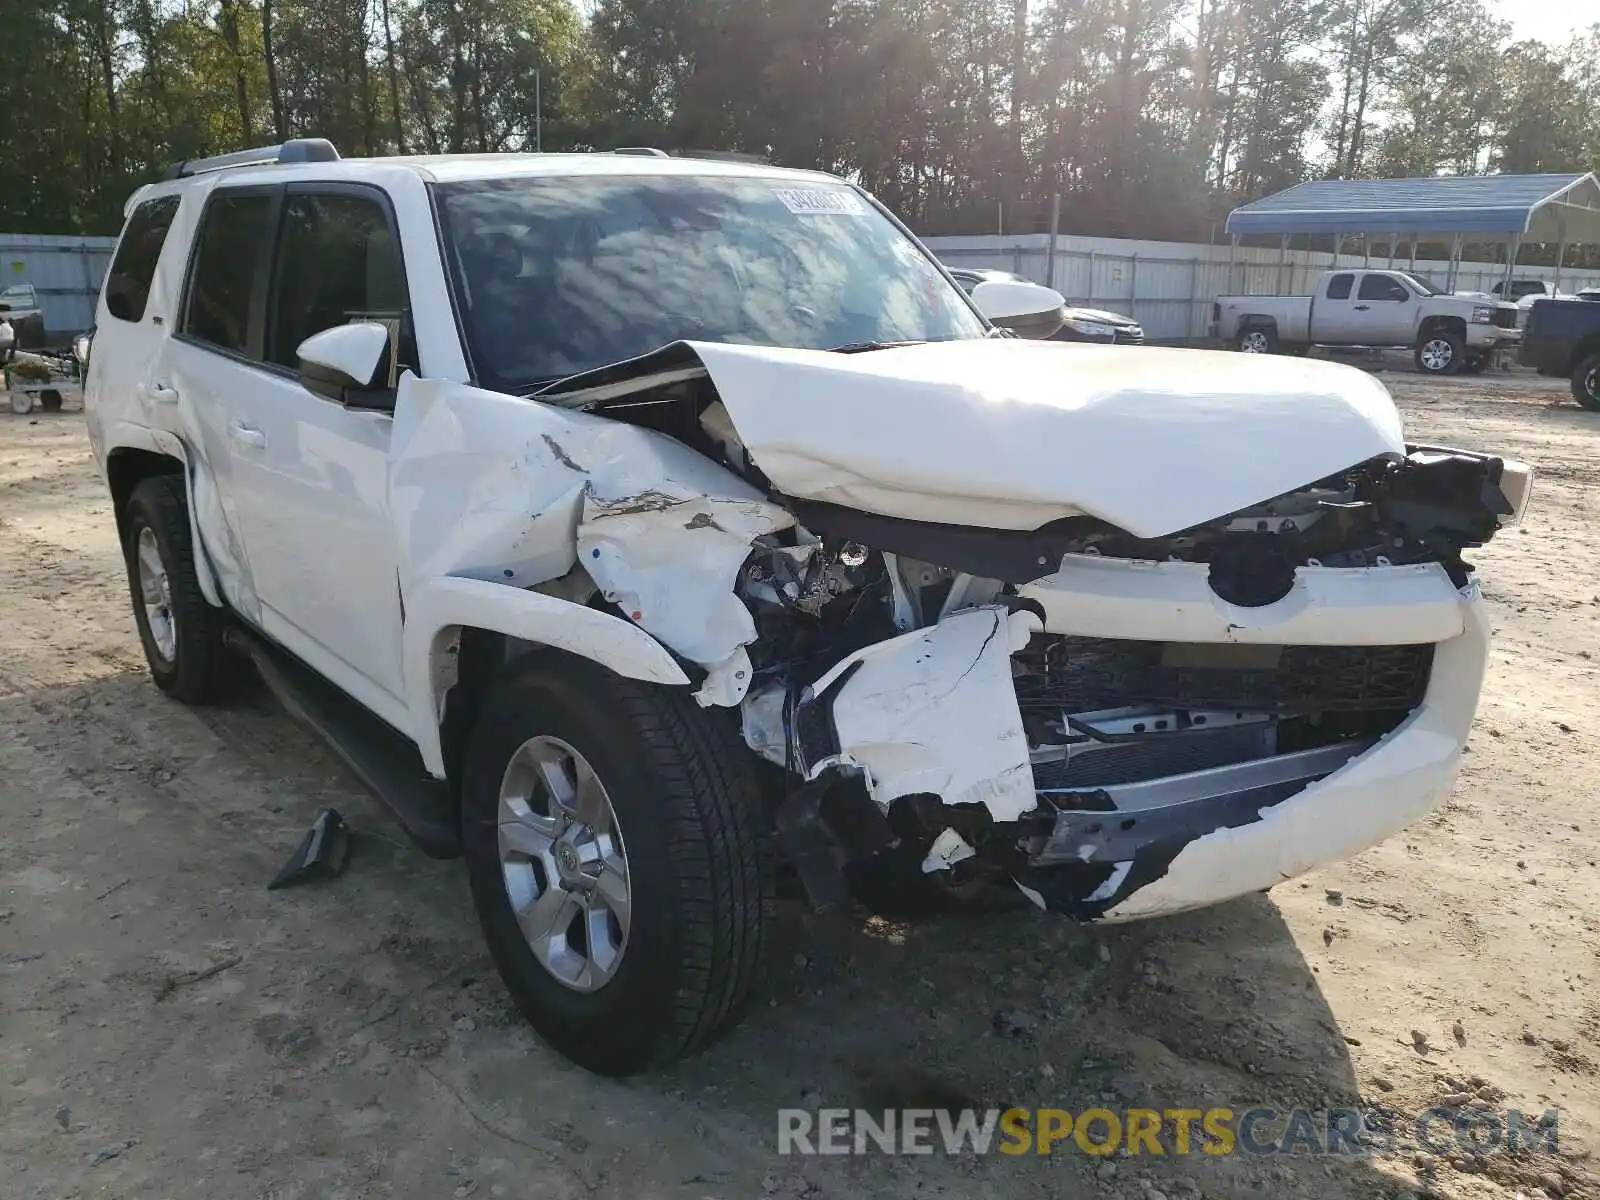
(1506, 318)
(1086, 674)
(1131, 336)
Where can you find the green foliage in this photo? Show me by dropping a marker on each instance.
(1148, 117)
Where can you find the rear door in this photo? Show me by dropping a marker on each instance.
(1331, 317)
(311, 475)
(208, 363)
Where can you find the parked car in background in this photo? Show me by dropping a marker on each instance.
(1563, 338)
(19, 305)
(1376, 309)
(1523, 289)
(1588, 293)
(1077, 324)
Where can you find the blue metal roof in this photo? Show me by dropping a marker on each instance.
(1501, 204)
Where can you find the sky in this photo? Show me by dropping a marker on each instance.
(1548, 20)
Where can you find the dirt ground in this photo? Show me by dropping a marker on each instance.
(168, 1028)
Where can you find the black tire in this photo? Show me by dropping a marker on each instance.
(1476, 364)
(196, 672)
(1444, 348)
(1586, 383)
(1256, 339)
(50, 400)
(688, 804)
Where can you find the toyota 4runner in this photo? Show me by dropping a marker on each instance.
(641, 527)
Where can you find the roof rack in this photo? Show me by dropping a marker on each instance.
(642, 151)
(300, 150)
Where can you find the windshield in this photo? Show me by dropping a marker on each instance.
(1424, 288)
(559, 275)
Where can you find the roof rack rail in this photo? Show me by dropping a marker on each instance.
(643, 151)
(299, 150)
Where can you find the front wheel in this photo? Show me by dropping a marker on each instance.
(1586, 383)
(1441, 353)
(1256, 339)
(616, 846)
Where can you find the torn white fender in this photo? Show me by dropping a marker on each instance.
(935, 711)
(671, 566)
(440, 606)
(510, 490)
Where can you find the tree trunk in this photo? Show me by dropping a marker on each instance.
(230, 34)
(1358, 121)
(280, 127)
(1340, 139)
(394, 81)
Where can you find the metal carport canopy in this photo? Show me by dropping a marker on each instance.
(1534, 208)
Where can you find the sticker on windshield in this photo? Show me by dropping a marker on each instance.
(820, 202)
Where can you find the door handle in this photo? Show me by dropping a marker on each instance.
(158, 393)
(1363, 307)
(246, 435)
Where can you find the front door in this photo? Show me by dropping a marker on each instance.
(312, 476)
(1382, 312)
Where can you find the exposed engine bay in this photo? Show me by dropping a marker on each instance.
(1064, 706)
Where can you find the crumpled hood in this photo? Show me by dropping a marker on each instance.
(1011, 434)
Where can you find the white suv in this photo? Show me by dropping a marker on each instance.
(636, 525)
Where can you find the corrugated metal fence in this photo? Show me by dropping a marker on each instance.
(65, 272)
(1169, 286)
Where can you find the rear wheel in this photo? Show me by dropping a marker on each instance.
(1440, 352)
(1257, 339)
(616, 847)
(1586, 383)
(181, 632)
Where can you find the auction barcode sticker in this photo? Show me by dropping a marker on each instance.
(827, 202)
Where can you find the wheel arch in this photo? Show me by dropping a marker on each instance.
(1442, 324)
(458, 632)
(129, 463)
(1585, 347)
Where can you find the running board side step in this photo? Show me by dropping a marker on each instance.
(385, 762)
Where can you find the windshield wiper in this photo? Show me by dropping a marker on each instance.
(864, 347)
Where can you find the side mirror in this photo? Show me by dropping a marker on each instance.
(350, 365)
(1028, 309)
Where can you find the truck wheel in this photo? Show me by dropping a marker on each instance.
(1586, 383)
(1257, 339)
(1476, 364)
(1441, 353)
(181, 632)
(617, 850)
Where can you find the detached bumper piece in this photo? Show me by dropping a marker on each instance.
(1088, 849)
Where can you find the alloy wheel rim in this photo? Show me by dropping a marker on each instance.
(1437, 354)
(1254, 343)
(564, 863)
(1591, 384)
(155, 592)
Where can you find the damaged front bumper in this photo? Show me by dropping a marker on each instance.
(935, 713)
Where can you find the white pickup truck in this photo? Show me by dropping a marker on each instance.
(1372, 308)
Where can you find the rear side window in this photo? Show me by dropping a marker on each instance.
(337, 263)
(226, 265)
(1339, 287)
(134, 267)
